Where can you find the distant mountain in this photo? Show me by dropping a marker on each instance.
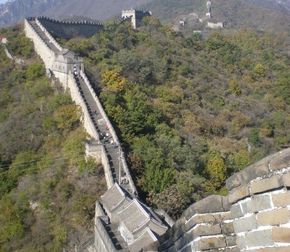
(271, 15)
(15, 10)
(259, 14)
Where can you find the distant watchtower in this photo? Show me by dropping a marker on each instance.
(136, 16)
(208, 6)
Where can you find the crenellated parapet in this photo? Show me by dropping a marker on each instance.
(70, 29)
(255, 216)
(72, 22)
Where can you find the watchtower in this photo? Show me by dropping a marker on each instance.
(136, 16)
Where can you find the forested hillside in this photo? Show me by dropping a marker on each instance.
(47, 189)
(190, 111)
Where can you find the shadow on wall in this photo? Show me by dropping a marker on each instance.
(68, 30)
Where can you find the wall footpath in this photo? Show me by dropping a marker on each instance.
(48, 35)
(69, 83)
(111, 129)
(255, 216)
(40, 46)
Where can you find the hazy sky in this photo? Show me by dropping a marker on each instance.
(2, 1)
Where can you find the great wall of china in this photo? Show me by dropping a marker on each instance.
(255, 216)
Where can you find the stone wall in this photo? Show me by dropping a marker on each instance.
(111, 129)
(260, 198)
(98, 152)
(255, 216)
(103, 241)
(136, 16)
(40, 46)
(69, 83)
(48, 35)
(68, 30)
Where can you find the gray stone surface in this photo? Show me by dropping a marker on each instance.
(266, 184)
(280, 160)
(253, 171)
(208, 243)
(245, 224)
(211, 204)
(236, 211)
(227, 228)
(231, 240)
(259, 238)
(205, 230)
(239, 193)
(241, 241)
(260, 202)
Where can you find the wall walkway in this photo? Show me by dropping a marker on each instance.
(94, 117)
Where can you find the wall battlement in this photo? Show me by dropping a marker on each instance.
(70, 29)
(255, 216)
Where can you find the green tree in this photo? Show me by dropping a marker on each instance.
(216, 169)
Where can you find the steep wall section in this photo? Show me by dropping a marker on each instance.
(255, 216)
(68, 30)
(61, 63)
(41, 48)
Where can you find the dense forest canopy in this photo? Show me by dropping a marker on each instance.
(47, 189)
(190, 111)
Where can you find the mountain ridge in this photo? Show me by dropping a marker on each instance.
(14, 11)
(257, 14)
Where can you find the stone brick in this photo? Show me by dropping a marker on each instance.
(256, 170)
(232, 249)
(204, 218)
(246, 205)
(238, 194)
(281, 234)
(267, 184)
(227, 228)
(273, 217)
(280, 160)
(226, 203)
(234, 181)
(260, 202)
(236, 211)
(281, 199)
(204, 230)
(231, 240)
(211, 204)
(274, 249)
(259, 238)
(226, 216)
(241, 241)
(208, 243)
(286, 179)
(245, 224)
